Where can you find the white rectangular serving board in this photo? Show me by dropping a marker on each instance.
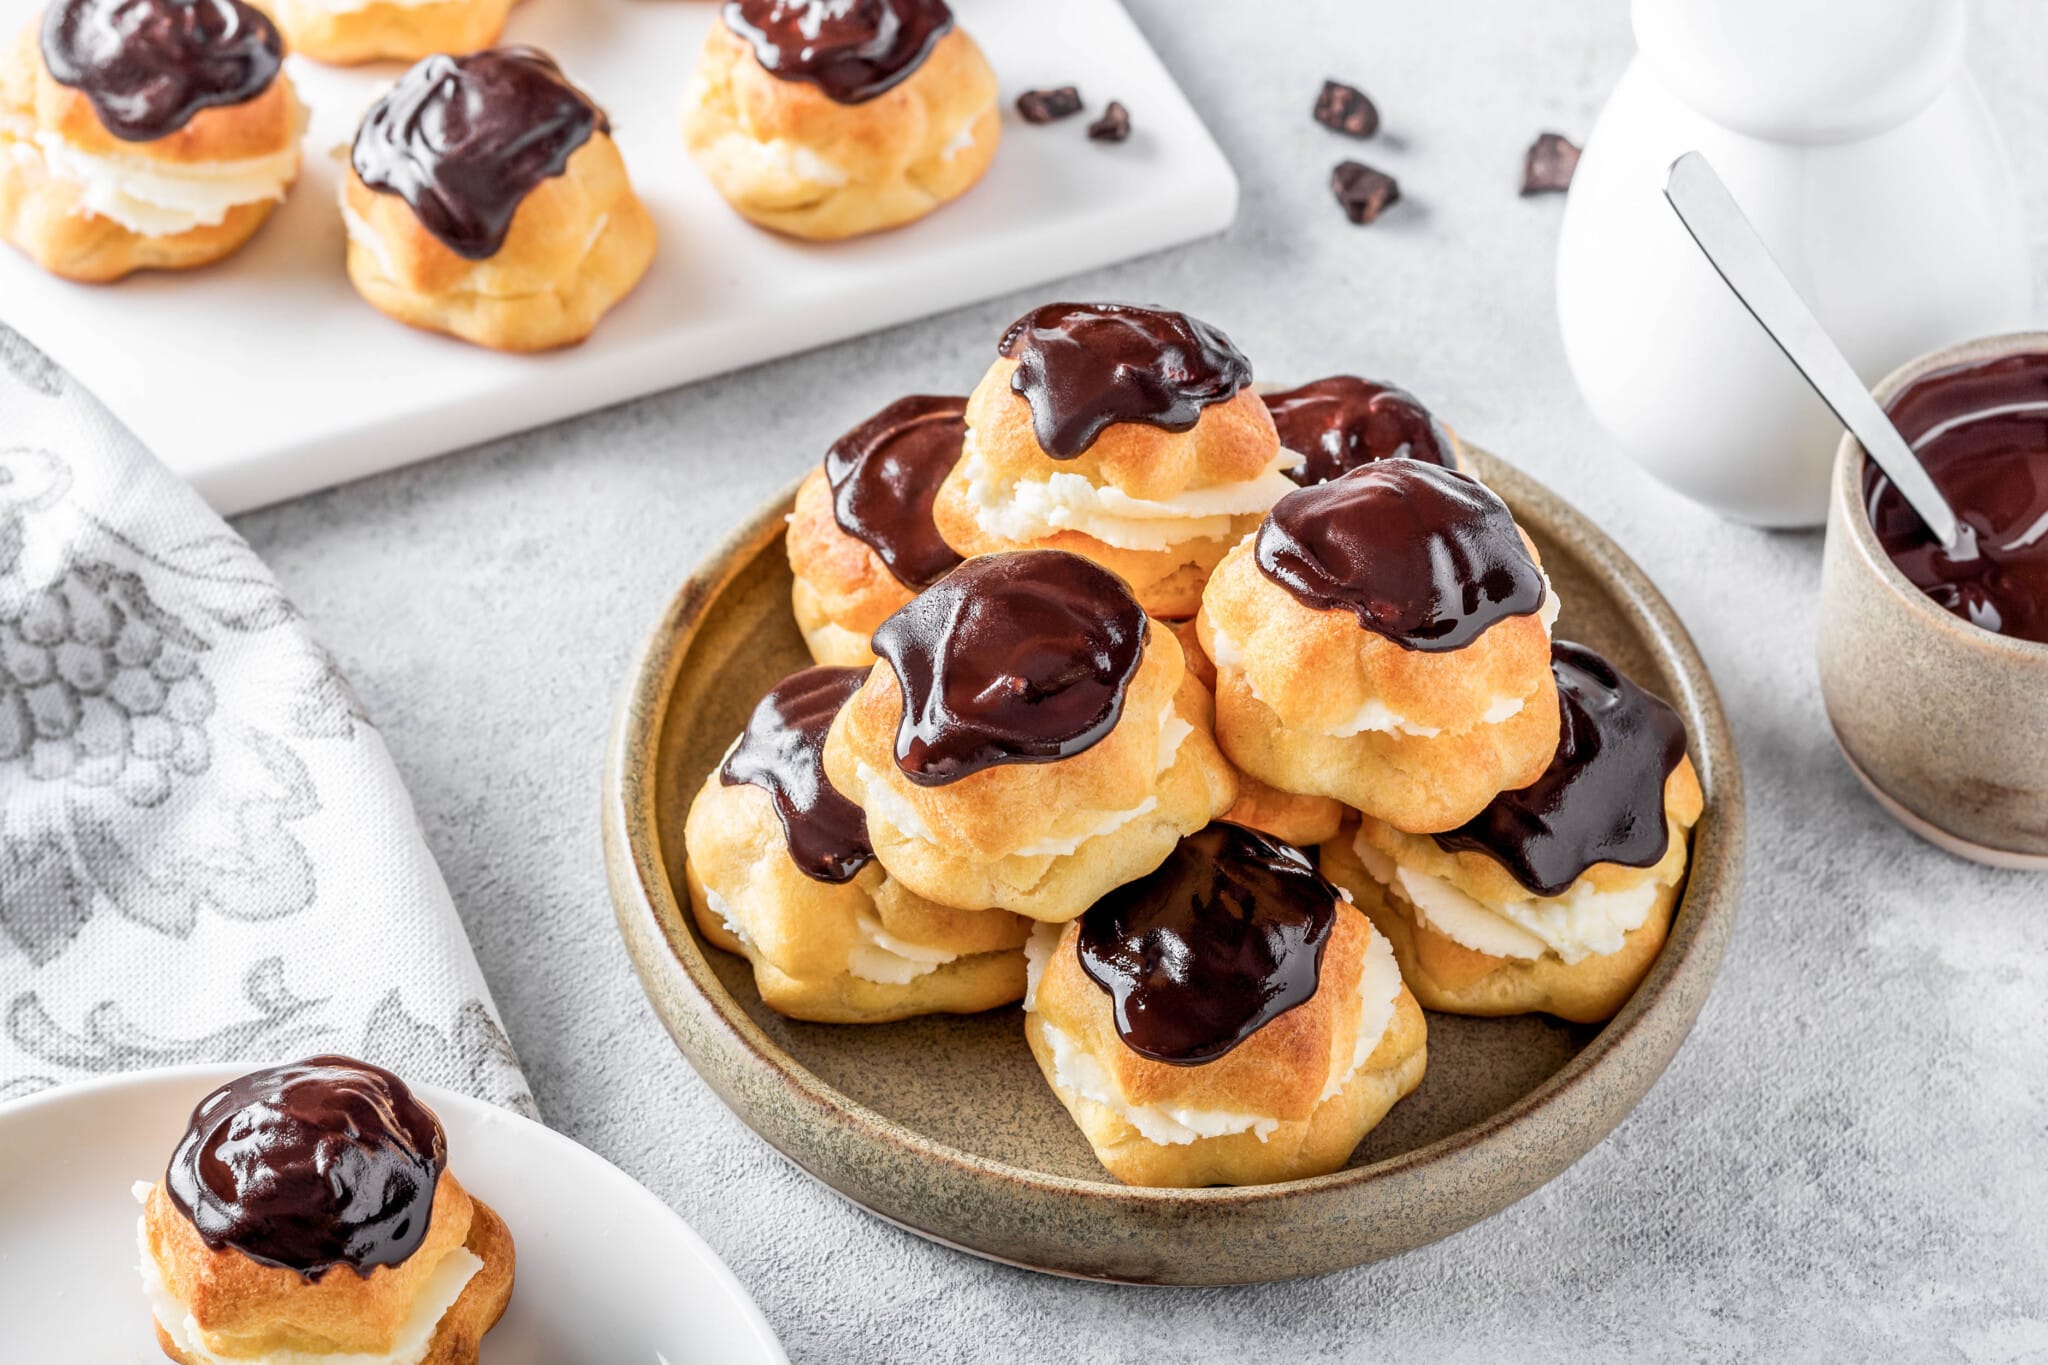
(266, 377)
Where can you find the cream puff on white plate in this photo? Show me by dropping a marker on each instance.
(143, 134)
(308, 1211)
(825, 119)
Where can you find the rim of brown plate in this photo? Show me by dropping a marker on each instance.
(1700, 926)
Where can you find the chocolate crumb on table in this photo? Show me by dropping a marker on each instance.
(1362, 192)
(1048, 106)
(1113, 126)
(1548, 167)
(1346, 109)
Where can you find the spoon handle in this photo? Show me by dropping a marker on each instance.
(1730, 243)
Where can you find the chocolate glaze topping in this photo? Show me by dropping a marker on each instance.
(1011, 658)
(325, 1162)
(852, 50)
(1343, 422)
(1982, 432)
(782, 751)
(464, 140)
(885, 474)
(1426, 556)
(1226, 936)
(1082, 366)
(148, 66)
(1601, 800)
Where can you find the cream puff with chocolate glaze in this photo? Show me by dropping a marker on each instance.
(1556, 897)
(309, 1213)
(1228, 1019)
(486, 199)
(1384, 639)
(1028, 739)
(347, 32)
(1128, 435)
(1341, 422)
(780, 871)
(826, 119)
(861, 539)
(143, 134)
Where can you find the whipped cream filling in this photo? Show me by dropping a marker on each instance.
(791, 159)
(415, 1336)
(160, 198)
(723, 909)
(962, 139)
(1031, 509)
(1584, 922)
(882, 801)
(887, 960)
(1080, 1073)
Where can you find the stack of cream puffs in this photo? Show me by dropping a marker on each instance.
(309, 1214)
(1225, 727)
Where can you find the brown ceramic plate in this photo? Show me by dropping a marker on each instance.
(944, 1126)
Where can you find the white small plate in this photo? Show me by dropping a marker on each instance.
(608, 1275)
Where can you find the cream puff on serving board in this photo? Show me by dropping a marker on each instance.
(712, 196)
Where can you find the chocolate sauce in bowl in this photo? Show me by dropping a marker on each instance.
(1601, 800)
(852, 50)
(319, 1163)
(149, 66)
(1223, 938)
(1424, 555)
(1982, 432)
(1020, 657)
(1342, 422)
(1083, 366)
(464, 140)
(886, 472)
(782, 751)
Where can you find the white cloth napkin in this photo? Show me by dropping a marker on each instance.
(205, 852)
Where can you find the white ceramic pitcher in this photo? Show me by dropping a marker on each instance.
(1855, 140)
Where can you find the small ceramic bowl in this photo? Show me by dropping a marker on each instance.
(1943, 721)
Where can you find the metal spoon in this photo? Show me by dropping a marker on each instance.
(1729, 241)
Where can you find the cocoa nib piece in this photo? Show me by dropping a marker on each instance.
(1113, 126)
(1362, 192)
(1548, 167)
(1345, 109)
(1048, 106)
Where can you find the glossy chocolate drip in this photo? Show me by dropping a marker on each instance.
(885, 474)
(1425, 556)
(1011, 658)
(1224, 937)
(1082, 366)
(1982, 432)
(852, 50)
(782, 752)
(148, 66)
(1601, 800)
(308, 1166)
(1343, 422)
(464, 140)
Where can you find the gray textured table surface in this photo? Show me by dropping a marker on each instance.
(1848, 1159)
